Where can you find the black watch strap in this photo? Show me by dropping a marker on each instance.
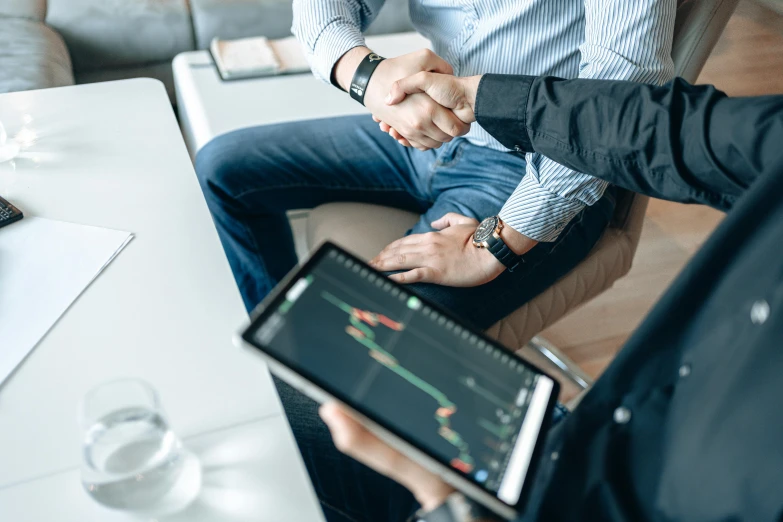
(505, 255)
(362, 76)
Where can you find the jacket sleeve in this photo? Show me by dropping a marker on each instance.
(679, 142)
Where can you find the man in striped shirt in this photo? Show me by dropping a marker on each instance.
(251, 177)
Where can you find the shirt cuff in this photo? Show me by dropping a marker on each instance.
(501, 109)
(334, 41)
(536, 212)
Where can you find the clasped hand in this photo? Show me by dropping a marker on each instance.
(426, 108)
(416, 100)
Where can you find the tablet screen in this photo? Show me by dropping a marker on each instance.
(376, 346)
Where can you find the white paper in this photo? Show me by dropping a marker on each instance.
(44, 266)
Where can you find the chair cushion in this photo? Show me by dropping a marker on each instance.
(32, 56)
(358, 227)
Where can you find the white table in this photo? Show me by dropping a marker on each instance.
(112, 155)
(209, 106)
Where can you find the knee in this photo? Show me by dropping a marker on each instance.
(218, 164)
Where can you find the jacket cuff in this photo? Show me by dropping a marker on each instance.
(501, 109)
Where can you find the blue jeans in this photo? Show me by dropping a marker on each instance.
(251, 177)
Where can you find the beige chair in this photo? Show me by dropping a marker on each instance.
(366, 229)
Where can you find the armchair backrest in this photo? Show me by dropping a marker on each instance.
(698, 26)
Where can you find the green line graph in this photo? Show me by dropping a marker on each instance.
(360, 328)
(470, 382)
(500, 432)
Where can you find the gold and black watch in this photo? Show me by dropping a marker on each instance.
(487, 235)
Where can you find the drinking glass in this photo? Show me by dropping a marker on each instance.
(131, 458)
(8, 148)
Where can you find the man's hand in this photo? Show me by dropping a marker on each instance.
(423, 122)
(446, 257)
(354, 440)
(456, 93)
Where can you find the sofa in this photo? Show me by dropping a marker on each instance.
(52, 43)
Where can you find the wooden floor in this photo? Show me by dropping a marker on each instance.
(747, 61)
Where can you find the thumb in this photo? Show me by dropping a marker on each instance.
(453, 219)
(419, 82)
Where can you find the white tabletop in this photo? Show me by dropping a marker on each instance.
(112, 155)
(209, 106)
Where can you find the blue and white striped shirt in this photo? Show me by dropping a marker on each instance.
(609, 39)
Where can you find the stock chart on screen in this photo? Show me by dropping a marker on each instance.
(405, 363)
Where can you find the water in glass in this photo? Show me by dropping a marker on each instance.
(132, 459)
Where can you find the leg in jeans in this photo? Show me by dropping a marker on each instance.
(251, 177)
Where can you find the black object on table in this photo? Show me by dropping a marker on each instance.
(8, 213)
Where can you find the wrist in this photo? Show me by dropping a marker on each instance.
(516, 241)
(346, 66)
(470, 87)
(431, 500)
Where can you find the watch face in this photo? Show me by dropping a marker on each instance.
(485, 229)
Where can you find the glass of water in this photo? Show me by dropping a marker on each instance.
(132, 460)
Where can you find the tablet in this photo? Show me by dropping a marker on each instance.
(444, 394)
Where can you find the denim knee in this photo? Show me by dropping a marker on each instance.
(218, 163)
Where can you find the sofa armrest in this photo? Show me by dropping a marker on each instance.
(32, 56)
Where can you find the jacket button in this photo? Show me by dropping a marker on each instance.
(685, 370)
(622, 415)
(759, 312)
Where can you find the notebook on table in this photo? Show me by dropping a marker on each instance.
(257, 57)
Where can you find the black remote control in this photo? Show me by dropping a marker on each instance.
(8, 213)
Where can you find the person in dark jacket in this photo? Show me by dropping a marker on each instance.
(687, 422)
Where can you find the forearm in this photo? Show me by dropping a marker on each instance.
(328, 29)
(678, 142)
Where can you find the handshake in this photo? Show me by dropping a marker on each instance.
(415, 98)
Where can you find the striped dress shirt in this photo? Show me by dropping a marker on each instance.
(608, 39)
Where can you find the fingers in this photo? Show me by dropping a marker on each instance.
(449, 123)
(355, 440)
(422, 274)
(428, 143)
(417, 83)
(429, 61)
(394, 246)
(452, 219)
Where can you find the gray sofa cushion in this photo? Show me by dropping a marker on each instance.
(117, 33)
(32, 56)
(272, 18)
(32, 9)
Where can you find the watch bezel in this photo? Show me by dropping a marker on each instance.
(481, 241)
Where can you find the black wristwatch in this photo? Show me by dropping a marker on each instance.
(487, 235)
(457, 508)
(362, 76)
